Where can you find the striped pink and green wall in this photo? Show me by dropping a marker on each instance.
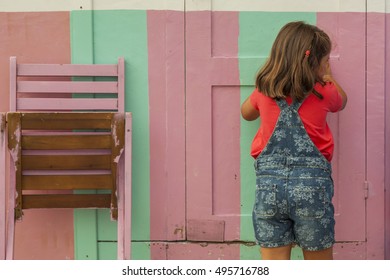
(154, 42)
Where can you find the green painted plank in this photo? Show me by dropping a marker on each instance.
(106, 228)
(81, 37)
(124, 33)
(107, 251)
(103, 37)
(257, 33)
(85, 238)
(85, 221)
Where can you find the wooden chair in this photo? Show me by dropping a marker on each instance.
(65, 106)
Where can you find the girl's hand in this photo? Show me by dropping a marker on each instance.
(327, 77)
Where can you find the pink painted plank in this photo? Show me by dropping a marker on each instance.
(387, 146)
(376, 135)
(70, 70)
(167, 125)
(63, 104)
(350, 251)
(348, 59)
(47, 39)
(212, 80)
(225, 137)
(196, 251)
(64, 87)
(3, 197)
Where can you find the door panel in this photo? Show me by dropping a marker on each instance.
(212, 126)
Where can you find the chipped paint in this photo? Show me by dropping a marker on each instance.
(117, 158)
(14, 151)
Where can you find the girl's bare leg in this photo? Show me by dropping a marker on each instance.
(326, 254)
(278, 253)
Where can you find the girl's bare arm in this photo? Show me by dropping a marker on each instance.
(248, 112)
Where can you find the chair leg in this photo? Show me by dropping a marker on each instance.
(10, 226)
(2, 221)
(3, 198)
(10, 220)
(10, 234)
(128, 186)
(121, 214)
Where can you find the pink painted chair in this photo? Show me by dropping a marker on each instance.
(56, 91)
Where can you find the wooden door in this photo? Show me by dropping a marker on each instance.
(223, 52)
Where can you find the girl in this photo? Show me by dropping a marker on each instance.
(294, 145)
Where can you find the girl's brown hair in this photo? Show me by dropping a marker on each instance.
(290, 70)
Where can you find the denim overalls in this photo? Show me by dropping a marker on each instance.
(294, 188)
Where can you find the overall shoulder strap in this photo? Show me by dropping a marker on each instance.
(282, 103)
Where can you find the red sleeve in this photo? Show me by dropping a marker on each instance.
(332, 96)
(254, 99)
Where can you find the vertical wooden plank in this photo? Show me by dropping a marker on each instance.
(82, 46)
(376, 127)
(349, 161)
(82, 34)
(85, 238)
(45, 39)
(387, 143)
(167, 125)
(212, 129)
(124, 33)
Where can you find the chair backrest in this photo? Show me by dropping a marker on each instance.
(55, 152)
(55, 87)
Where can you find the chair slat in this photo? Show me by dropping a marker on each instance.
(67, 86)
(67, 182)
(66, 142)
(63, 104)
(66, 162)
(70, 70)
(67, 201)
(66, 124)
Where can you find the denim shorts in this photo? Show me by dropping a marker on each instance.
(294, 204)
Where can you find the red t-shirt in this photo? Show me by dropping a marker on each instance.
(313, 113)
